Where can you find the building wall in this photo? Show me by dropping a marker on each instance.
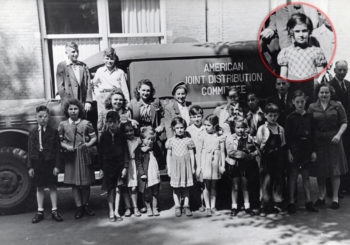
(235, 20)
(21, 69)
(185, 20)
(339, 15)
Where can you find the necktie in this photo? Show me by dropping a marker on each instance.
(343, 86)
(41, 132)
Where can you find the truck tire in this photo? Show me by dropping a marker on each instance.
(16, 189)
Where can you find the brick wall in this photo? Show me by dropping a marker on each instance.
(228, 20)
(185, 19)
(235, 20)
(21, 70)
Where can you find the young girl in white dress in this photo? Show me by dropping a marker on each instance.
(133, 142)
(211, 161)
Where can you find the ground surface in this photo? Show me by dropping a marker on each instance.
(326, 227)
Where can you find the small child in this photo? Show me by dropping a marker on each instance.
(212, 160)
(43, 162)
(195, 130)
(255, 115)
(180, 165)
(77, 136)
(115, 161)
(148, 170)
(270, 137)
(133, 142)
(300, 61)
(300, 150)
(241, 163)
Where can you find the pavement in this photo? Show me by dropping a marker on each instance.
(326, 227)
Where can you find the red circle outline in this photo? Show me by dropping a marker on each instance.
(263, 59)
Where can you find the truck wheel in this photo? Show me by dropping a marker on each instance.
(15, 184)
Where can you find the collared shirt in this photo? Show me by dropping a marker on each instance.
(302, 63)
(145, 114)
(224, 113)
(75, 67)
(195, 133)
(255, 118)
(263, 133)
(341, 83)
(105, 80)
(74, 122)
(184, 113)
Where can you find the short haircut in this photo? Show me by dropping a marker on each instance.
(108, 101)
(230, 89)
(126, 124)
(178, 120)
(42, 108)
(146, 82)
(271, 108)
(110, 52)
(73, 45)
(147, 131)
(113, 116)
(195, 110)
(341, 62)
(330, 87)
(298, 93)
(242, 122)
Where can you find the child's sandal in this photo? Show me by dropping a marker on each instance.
(118, 218)
(187, 211)
(127, 212)
(137, 212)
(156, 212)
(149, 212)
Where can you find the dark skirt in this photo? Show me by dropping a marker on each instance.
(43, 173)
(331, 160)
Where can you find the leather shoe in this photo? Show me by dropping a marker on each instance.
(79, 213)
(56, 216)
(39, 216)
(335, 205)
(88, 210)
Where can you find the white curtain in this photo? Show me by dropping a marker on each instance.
(140, 16)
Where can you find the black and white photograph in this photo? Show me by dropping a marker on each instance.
(174, 122)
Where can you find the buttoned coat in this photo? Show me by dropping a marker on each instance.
(69, 87)
(50, 144)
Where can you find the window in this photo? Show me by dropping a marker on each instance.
(134, 16)
(71, 16)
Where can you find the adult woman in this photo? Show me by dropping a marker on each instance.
(146, 109)
(178, 107)
(115, 101)
(330, 122)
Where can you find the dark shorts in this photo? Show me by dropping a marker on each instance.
(43, 173)
(150, 192)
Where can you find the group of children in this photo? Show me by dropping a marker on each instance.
(197, 155)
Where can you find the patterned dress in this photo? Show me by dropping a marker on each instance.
(210, 157)
(77, 170)
(132, 173)
(180, 167)
(301, 62)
